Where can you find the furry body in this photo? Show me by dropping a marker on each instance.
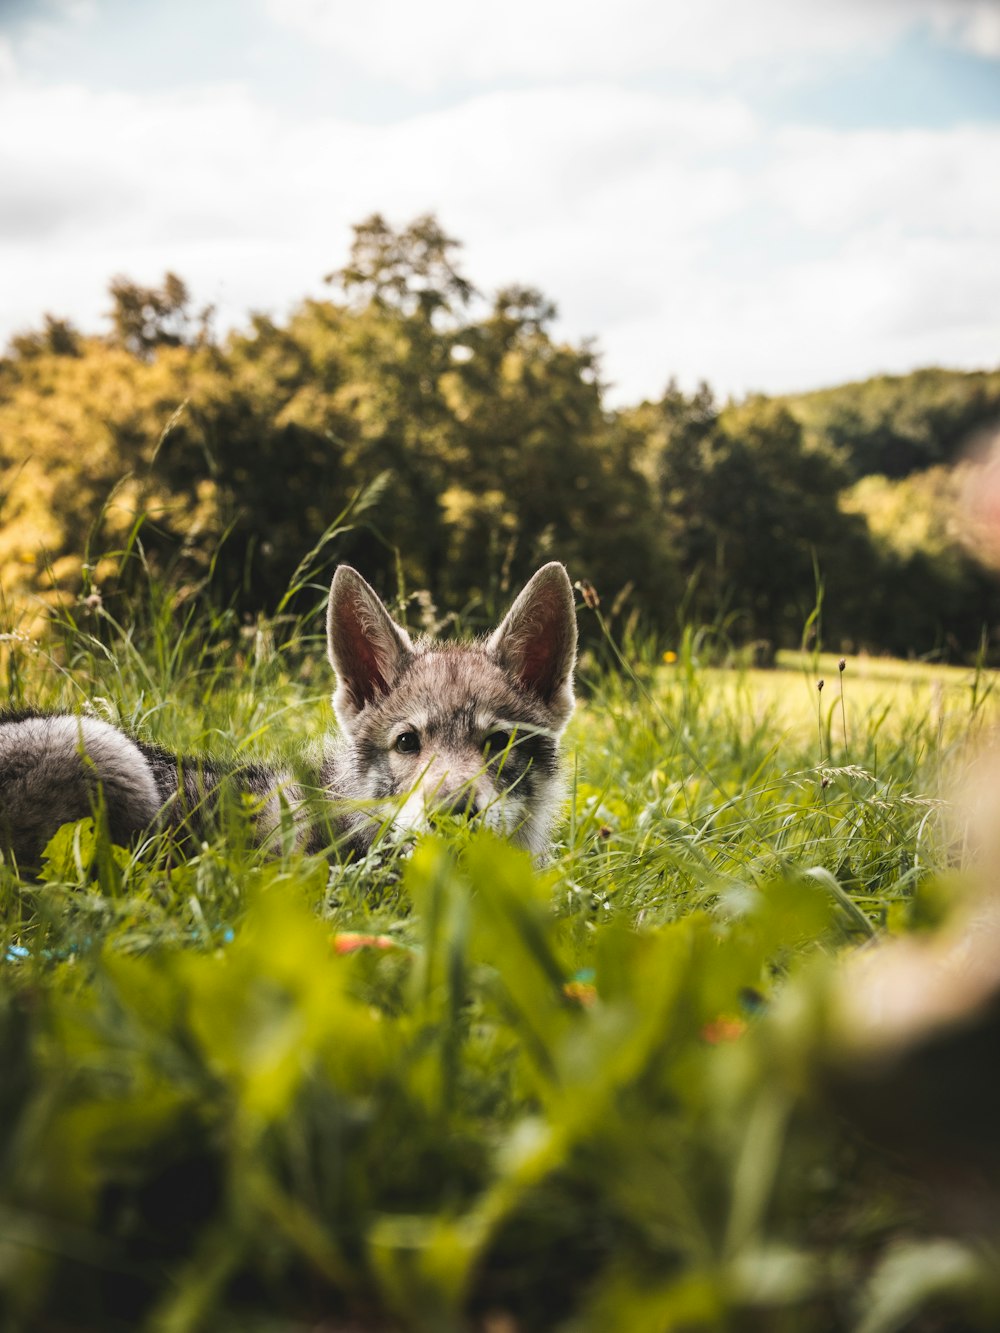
(55, 768)
(469, 729)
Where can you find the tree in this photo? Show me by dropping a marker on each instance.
(58, 337)
(751, 510)
(894, 425)
(145, 318)
(493, 449)
(679, 430)
(409, 270)
(540, 468)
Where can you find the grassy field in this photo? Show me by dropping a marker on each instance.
(442, 1089)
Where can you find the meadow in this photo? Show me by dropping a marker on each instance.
(442, 1088)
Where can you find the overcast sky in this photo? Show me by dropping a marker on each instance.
(770, 195)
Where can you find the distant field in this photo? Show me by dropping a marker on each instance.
(958, 701)
(879, 668)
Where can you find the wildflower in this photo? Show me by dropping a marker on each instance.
(670, 657)
(820, 684)
(93, 601)
(723, 1028)
(350, 941)
(842, 664)
(583, 992)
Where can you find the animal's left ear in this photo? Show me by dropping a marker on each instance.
(536, 641)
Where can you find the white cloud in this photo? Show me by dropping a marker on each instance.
(878, 253)
(972, 24)
(171, 175)
(939, 181)
(447, 42)
(684, 233)
(879, 307)
(52, 21)
(8, 66)
(77, 11)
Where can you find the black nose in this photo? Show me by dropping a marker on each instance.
(461, 803)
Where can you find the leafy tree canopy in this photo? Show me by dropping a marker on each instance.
(894, 425)
(482, 445)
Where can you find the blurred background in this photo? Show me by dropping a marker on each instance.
(701, 300)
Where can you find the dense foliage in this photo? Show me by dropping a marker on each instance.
(897, 425)
(585, 1097)
(459, 444)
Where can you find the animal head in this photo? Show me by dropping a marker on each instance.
(467, 729)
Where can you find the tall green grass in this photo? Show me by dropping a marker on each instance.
(577, 1097)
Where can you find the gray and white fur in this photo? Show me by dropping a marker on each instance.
(425, 728)
(56, 768)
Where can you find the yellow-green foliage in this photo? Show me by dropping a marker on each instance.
(78, 439)
(897, 424)
(919, 515)
(481, 446)
(424, 1090)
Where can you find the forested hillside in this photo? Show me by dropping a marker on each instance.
(460, 443)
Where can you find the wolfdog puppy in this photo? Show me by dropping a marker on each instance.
(425, 729)
(471, 729)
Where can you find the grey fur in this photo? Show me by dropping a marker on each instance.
(487, 718)
(50, 772)
(55, 768)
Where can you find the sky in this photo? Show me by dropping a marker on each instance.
(771, 196)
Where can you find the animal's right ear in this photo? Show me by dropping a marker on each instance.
(366, 646)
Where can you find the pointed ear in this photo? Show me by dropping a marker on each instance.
(366, 646)
(536, 640)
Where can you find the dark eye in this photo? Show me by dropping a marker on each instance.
(496, 743)
(408, 743)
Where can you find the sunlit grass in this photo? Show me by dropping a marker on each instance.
(550, 1097)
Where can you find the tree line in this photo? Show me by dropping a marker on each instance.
(461, 444)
